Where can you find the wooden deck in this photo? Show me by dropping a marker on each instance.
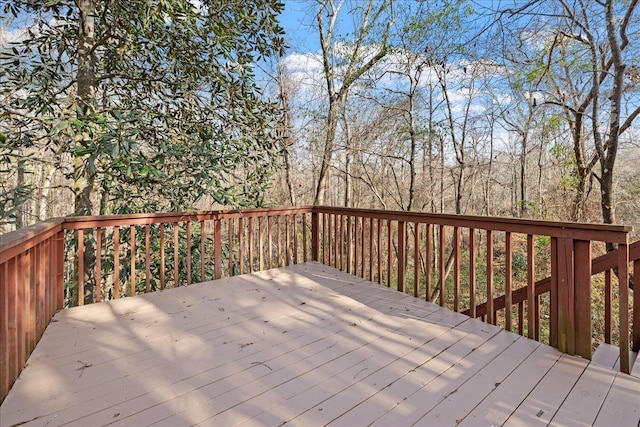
(303, 345)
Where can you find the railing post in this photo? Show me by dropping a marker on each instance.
(636, 306)
(402, 254)
(623, 289)
(582, 286)
(566, 314)
(315, 218)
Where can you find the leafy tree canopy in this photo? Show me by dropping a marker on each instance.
(144, 104)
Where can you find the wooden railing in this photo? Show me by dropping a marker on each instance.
(121, 255)
(541, 271)
(475, 264)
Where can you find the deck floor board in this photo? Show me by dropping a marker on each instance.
(301, 345)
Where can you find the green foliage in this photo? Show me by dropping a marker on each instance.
(176, 114)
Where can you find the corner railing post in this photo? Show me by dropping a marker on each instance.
(623, 287)
(582, 294)
(315, 228)
(564, 273)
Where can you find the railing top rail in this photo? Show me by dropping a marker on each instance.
(585, 231)
(80, 222)
(25, 238)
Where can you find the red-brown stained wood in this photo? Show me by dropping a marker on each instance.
(279, 243)
(80, 276)
(566, 308)
(356, 251)
(429, 264)
(270, 242)
(11, 282)
(456, 268)
(582, 280)
(5, 349)
(363, 240)
(188, 231)
(508, 280)
(607, 306)
(314, 236)
(250, 243)
(402, 255)
(305, 256)
(27, 280)
(416, 259)
(521, 318)
(203, 234)
(443, 265)
(132, 274)
(490, 314)
(240, 245)
(162, 256)
(635, 340)
(349, 236)
(59, 256)
(472, 272)
(217, 248)
(389, 242)
(379, 250)
(20, 312)
(147, 258)
(295, 239)
(531, 281)
(261, 245)
(98, 264)
(324, 239)
(116, 259)
(331, 221)
(230, 241)
(553, 295)
(371, 234)
(623, 299)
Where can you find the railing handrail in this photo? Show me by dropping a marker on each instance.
(25, 238)
(79, 222)
(597, 232)
(600, 264)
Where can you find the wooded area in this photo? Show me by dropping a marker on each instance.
(503, 108)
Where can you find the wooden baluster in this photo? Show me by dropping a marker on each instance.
(508, 261)
(295, 239)
(202, 250)
(251, 232)
(231, 243)
(521, 318)
(607, 306)
(443, 265)
(188, 230)
(472, 272)
(416, 259)
(402, 254)
(278, 242)
(176, 255)
(337, 239)
(324, 238)
(456, 269)
(362, 248)
(287, 238)
(635, 342)
(490, 315)
(147, 257)
(531, 283)
(132, 273)
(389, 253)
(116, 262)
(162, 266)
(356, 221)
(217, 247)
(331, 221)
(80, 267)
(98, 264)
(304, 238)
(261, 246)
(537, 318)
(270, 242)
(349, 252)
(379, 249)
(371, 231)
(341, 226)
(241, 245)
(427, 274)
